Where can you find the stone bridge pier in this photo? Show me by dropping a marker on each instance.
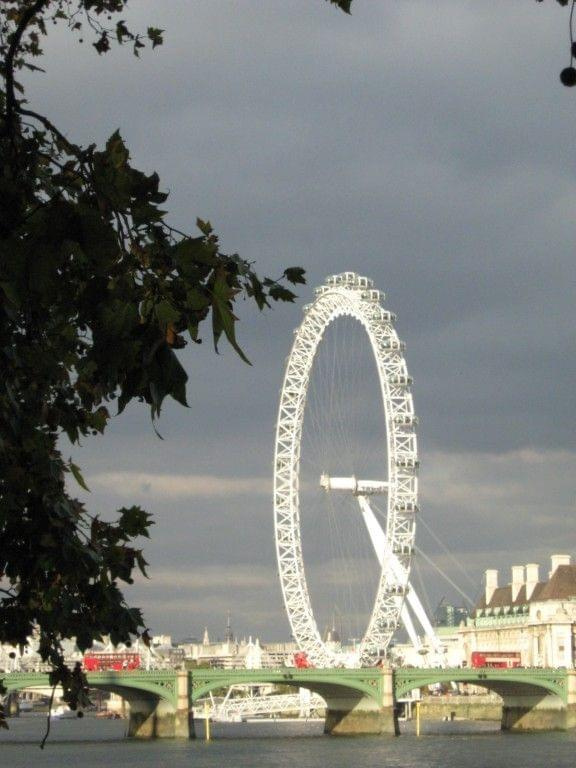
(152, 716)
(352, 713)
(158, 701)
(532, 709)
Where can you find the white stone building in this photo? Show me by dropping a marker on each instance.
(536, 620)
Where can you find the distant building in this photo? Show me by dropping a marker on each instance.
(447, 615)
(243, 654)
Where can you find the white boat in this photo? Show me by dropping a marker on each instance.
(63, 712)
(233, 718)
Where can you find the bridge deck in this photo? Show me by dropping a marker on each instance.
(366, 681)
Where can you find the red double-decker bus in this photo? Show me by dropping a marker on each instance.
(301, 660)
(116, 662)
(495, 659)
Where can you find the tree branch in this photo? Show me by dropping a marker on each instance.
(27, 17)
(74, 149)
(48, 718)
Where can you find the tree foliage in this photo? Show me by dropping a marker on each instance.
(97, 294)
(568, 74)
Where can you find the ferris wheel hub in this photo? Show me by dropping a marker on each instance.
(353, 485)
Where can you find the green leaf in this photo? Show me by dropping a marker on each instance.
(116, 150)
(256, 290)
(78, 475)
(122, 31)
(222, 317)
(295, 275)
(279, 293)
(102, 45)
(196, 300)
(166, 313)
(344, 5)
(11, 293)
(155, 35)
(167, 377)
(119, 318)
(141, 562)
(135, 521)
(191, 252)
(204, 226)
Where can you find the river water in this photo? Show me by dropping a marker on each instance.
(91, 743)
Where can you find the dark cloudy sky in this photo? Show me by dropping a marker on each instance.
(428, 146)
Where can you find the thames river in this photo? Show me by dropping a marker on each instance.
(91, 743)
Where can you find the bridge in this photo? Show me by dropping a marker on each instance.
(358, 701)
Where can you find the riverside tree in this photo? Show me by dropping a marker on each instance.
(568, 74)
(97, 294)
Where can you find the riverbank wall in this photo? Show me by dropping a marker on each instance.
(477, 707)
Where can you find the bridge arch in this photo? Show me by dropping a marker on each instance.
(364, 683)
(524, 681)
(156, 685)
(159, 704)
(357, 700)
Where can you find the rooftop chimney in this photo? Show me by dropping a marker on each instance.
(491, 577)
(557, 560)
(517, 580)
(532, 578)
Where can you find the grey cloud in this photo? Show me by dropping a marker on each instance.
(433, 152)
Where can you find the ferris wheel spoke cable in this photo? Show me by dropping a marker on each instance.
(442, 573)
(329, 380)
(421, 554)
(341, 400)
(339, 411)
(343, 561)
(346, 417)
(423, 590)
(342, 429)
(455, 560)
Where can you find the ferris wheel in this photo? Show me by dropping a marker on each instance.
(385, 500)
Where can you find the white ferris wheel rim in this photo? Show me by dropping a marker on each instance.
(347, 294)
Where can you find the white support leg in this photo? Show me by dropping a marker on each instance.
(387, 557)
